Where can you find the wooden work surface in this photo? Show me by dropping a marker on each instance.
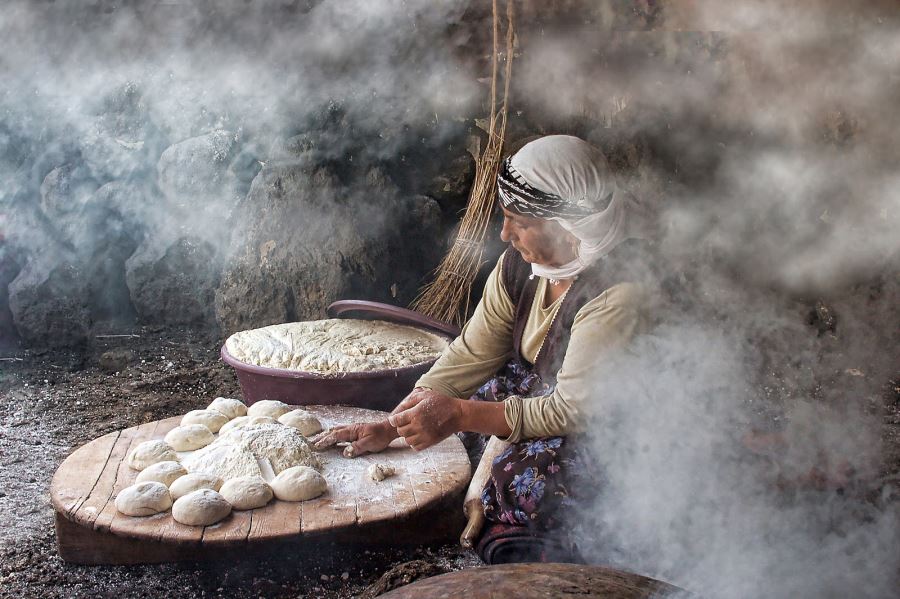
(421, 499)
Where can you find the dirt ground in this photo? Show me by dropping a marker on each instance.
(52, 402)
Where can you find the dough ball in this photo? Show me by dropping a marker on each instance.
(200, 508)
(162, 472)
(303, 421)
(232, 408)
(269, 407)
(247, 492)
(209, 418)
(189, 437)
(151, 452)
(234, 424)
(298, 483)
(143, 499)
(379, 472)
(193, 481)
(255, 420)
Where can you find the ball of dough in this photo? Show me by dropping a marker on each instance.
(303, 421)
(143, 499)
(200, 508)
(232, 408)
(254, 420)
(247, 492)
(209, 418)
(189, 437)
(379, 472)
(151, 452)
(193, 481)
(234, 424)
(298, 483)
(269, 407)
(162, 472)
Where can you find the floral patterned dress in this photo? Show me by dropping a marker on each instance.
(531, 482)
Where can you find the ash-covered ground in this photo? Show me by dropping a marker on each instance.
(53, 402)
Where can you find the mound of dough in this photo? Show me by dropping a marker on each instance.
(247, 492)
(200, 508)
(211, 419)
(303, 421)
(379, 472)
(335, 345)
(223, 460)
(191, 482)
(282, 446)
(298, 484)
(151, 452)
(143, 499)
(268, 407)
(189, 437)
(162, 472)
(228, 406)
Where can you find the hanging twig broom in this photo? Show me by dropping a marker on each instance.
(448, 296)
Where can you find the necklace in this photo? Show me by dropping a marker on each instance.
(553, 281)
(552, 320)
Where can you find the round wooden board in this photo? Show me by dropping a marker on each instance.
(85, 486)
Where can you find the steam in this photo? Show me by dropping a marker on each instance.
(780, 126)
(178, 105)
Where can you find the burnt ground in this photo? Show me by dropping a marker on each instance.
(52, 402)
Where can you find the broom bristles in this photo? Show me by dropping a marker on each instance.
(448, 296)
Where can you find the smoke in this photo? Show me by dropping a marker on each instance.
(767, 136)
(179, 105)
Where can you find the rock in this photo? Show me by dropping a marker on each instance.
(64, 191)
(304, 238)
(121, 141)
(49, 303)
(115, 360)
(173, 282)
(195, 177)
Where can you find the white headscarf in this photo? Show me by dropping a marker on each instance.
(595, 210)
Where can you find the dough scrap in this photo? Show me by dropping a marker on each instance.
(211, 419)
(200, 508)
(379, 472)
(298, 483)
(151, 452)
(268, 407)
(233, 408)
(143, 499)
(336, 345)
(193, 481)
(247, 492)
(303, 421)
(162, 472)
(189, 437)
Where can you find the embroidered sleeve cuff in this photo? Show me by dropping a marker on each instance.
(512, 411)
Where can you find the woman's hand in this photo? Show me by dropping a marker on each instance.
(364, 437)
(429, 419)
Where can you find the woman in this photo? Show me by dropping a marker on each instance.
(556, 301)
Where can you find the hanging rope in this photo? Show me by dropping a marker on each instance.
(449, 296)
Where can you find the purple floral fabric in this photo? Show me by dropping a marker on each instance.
(528, 483)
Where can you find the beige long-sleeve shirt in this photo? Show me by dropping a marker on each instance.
(606, 322)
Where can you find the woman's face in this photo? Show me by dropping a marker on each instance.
(540, 241)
